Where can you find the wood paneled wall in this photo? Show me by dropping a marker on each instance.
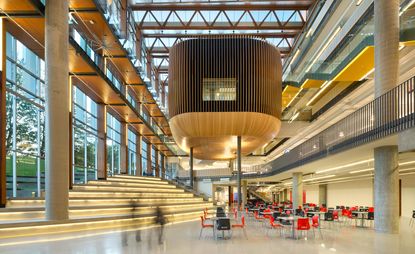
(253, 63)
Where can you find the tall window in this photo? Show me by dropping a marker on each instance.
(161, 164)
(132, 151)
(144, 147)
(85, 137)
(113, 145)
(153, 160)
(25, 120)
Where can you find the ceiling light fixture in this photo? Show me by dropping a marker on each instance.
(361, 170)
(406, 7)
(344, 166)
(406, 163)
(367, 74)
(323, 87)
(294, 117)
(318, 178)
(358, 2)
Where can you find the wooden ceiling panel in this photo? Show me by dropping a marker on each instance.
(33, 38)
(142, 94)
(154, 110)
(17, 6)
(127, 114)
(127, 70)
(82, 4)
(77, 63)
(100, 89)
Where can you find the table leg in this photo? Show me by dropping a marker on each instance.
(293, 229)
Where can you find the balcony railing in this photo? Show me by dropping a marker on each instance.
(388, 114)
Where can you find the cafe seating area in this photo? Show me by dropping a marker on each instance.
(283, 221)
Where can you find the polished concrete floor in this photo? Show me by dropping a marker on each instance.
(183, 238)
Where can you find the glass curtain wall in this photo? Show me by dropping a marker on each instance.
(153, 160)
(85, 137)
(25, 120)
(144, 147)
(132, 151)
(113, 145)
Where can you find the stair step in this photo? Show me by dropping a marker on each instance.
(13, 214)
(94, 187)
(120, 201)
(41, 227)
(105, 201)
(148, 178)
(130, 194)
(130, 184)
(131, 180)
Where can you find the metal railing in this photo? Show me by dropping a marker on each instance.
(388, 114)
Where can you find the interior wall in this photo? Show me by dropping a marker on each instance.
(408, 195)
(204, 187)
(353, 193)
(311, 193)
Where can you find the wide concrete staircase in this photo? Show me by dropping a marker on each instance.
(119, 201)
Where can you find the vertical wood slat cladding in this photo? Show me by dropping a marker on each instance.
(254, 63)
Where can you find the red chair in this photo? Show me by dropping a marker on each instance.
(303, 224)
(336, 215)
(274, 225)
(315, 224)
(242, 226)
(204, 226)
(371, 210)
(257, 217)
(288, 212)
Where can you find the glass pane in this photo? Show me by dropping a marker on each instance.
(79, 147)
(79, 175)
(26, 127)
(91, 151)
(26, 173)
(116, 159)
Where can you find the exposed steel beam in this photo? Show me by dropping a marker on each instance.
(278, 5)
(290, 26)
(260, 35)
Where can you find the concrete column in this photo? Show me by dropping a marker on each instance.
(322, 194)
(285, 195)
(244, 192)
(297, 190)
(191, 167)
(239, 173)
(386, 189)
(386, 45)
(57, 109)
(386, 183)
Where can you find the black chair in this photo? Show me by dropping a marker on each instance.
(220, 214)
(285, 222)
(328, 216)
(223, 225)
(310, 215)
(276, 215)
(370, 217)
(298, 212)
